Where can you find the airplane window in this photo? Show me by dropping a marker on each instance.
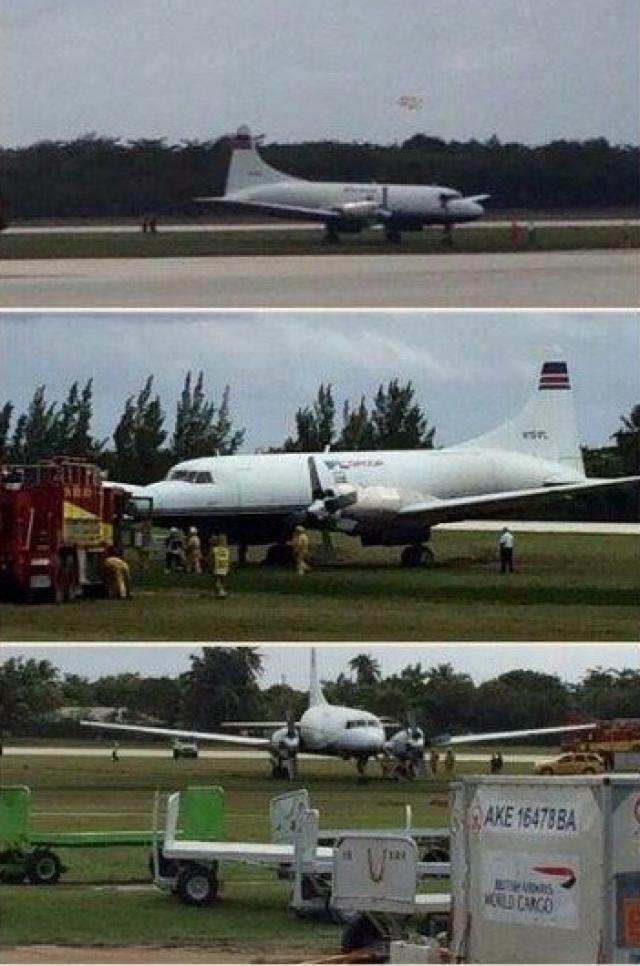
(204, 477)
(178, 475)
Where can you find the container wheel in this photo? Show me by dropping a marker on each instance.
(197, 885)
(44, 867)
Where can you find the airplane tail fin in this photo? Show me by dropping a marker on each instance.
(315, 691)
(546, 426)
(246, 167)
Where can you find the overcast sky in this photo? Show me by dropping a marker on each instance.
(471, 371)
(292, 662)
(527, 70)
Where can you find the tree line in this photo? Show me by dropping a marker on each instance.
(222, 683)
(142, 448)
(96, 176)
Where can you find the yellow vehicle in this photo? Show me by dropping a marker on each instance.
(573, 763)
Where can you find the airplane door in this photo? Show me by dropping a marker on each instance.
(278, 488)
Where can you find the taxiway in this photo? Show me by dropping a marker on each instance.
(594, 278)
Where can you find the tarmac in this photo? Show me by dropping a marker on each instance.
(558, 279)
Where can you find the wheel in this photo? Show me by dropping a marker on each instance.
(588, 771)
(417, 555)
(546, 771)
(331, 236)
(197, 885)
(393, 235)
(360, 933)
(44, 867)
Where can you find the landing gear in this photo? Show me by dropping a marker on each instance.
(331, 236)
(447, 237)
(393, 235)
(284, 769)
(242, 554)
(417, 555)
(361, 767)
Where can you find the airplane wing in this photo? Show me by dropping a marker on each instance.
(292, 212)
(180, 733)
(503, 735)
(434, 510)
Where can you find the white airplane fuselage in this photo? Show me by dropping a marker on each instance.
(226, 490)
(345, 732)
(407, 205)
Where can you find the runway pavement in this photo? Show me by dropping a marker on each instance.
(595, 278)
(130, 228)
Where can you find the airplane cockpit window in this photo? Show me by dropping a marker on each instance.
(191, 476)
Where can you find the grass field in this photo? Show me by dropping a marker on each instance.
(170, 242)
(567, 587)
(251, 914)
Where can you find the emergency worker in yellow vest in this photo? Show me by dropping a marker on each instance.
(220, 563)
(300, 547)
(117, 577)
(194, 552)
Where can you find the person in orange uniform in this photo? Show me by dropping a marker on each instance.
(300, 546)
(194, 552)
(220, 564)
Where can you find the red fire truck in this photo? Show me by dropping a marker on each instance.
(610, 739)
(58, 522)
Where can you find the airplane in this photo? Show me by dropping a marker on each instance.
(335, 731)
(383, 497)
(254, 186)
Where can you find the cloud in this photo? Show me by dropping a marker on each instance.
(198, 68)
(471, 370)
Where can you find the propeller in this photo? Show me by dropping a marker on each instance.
(328, 497)
(407, 747)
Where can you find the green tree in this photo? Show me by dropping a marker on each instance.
(366, 669)
(201, 428)
(628, 441)
(36, 433)
(315, 429)
(397, 420)
(139, 437)
(221, 685)
(5, 424)
(357, 431)
(29, 691)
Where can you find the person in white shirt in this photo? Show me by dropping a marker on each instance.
(506, 542)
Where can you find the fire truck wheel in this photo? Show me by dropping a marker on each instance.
(197, 885)
(44, 867)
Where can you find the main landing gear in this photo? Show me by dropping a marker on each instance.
(417, 555)
(393, 235)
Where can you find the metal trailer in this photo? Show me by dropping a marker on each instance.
(189, 866)
(25, 854)
(375, 882)
(546, 869)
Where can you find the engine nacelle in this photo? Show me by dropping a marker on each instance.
(379, 501)
(407, 744)
(284, 744)
(359, 210)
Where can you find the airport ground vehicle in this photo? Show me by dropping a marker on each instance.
(572, 763)
(25, 854)
(183, 748)
(617, 742)
(58, 523)
(188, 859)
